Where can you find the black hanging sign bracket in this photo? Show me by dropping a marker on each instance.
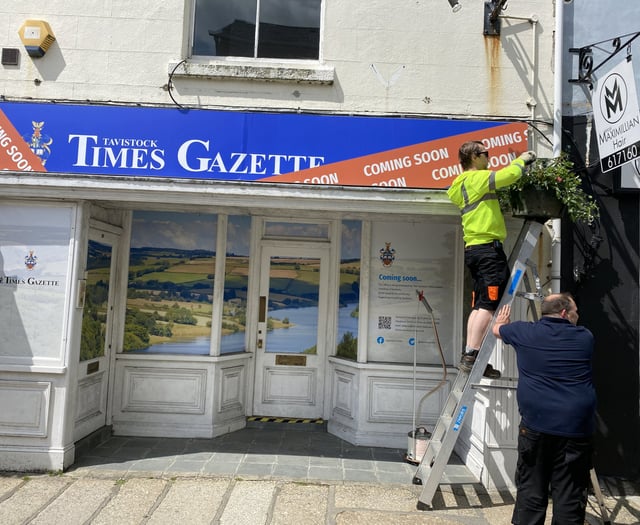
(586, 65)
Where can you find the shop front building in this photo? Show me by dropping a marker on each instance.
(159, 303)
(249, 236)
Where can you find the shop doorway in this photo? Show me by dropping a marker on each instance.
(292, 337)
(96, 346)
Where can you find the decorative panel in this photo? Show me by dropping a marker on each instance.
(231, 386)
(289, 386)
(89, 396)
(170, 391)
(25, 408)
(343, 393)
(392, 399)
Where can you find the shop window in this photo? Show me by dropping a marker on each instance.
(236, 278)
(284, 29)
(349, 293)
(406, 259)
(35, 268)
(295, 230)
(171, 274)
(96, 300)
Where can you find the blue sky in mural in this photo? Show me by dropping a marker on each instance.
(184, 231)
(197, 231)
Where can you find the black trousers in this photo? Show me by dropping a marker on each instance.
(490, 273)
(553, 465)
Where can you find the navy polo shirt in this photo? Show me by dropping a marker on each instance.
(555, 389)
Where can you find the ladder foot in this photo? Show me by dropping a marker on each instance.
(423, 506)
(416, 480)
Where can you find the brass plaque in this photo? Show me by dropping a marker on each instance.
(291, 360)
(93, 367)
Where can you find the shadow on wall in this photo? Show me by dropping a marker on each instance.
(15, 342)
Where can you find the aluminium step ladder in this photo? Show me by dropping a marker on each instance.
(461, 397)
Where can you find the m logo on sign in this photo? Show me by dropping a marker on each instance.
(614, 98)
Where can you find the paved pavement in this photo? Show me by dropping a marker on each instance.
(258, 476)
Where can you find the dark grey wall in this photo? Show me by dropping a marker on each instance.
(600, 267)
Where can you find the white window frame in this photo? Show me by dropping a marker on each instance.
(266, 69)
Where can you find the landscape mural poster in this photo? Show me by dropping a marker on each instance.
(171, 278)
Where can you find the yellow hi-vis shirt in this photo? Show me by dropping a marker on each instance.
(474, 192)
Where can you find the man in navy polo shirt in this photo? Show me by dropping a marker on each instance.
(557, 405)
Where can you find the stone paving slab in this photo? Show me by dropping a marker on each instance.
(132, 502)
(36, 493)
(177, 506)
(78, 503)
(107, 497)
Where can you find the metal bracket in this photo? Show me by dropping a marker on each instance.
(585, 56)
(492, 10)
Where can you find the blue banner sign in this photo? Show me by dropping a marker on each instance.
(243, 146)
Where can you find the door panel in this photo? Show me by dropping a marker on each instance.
(95, 343)
(291, 344)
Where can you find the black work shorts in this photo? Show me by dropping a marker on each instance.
(490, 272)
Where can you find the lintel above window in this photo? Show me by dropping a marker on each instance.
(266, 71)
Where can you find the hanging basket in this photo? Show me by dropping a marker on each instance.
(537, 204)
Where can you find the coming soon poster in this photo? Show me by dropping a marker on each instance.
(406, 262)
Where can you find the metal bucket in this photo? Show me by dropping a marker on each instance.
(417, 444)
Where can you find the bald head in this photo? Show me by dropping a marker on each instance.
(560, 305)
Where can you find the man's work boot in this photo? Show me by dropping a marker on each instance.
(467, 361)
(491, 372)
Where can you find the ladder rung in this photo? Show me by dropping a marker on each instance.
(453, 400)
(450, 407)
(441, 428)
(456, 394)
(434, 446)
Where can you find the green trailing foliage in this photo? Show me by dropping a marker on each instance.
(558, 177)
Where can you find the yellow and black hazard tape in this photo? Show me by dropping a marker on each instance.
(289, 420)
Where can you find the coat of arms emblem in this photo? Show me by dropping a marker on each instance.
(30, 260)
(387, 254)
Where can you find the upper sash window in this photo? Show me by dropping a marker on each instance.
(280, 29)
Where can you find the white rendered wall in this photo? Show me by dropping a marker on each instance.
(417, 58)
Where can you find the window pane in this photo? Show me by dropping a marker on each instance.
(294, 291)
(293, 230)
(289, 29)
(225, 28)
(236, 277)
(171, 270)
(94, 315)
(347, 341)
